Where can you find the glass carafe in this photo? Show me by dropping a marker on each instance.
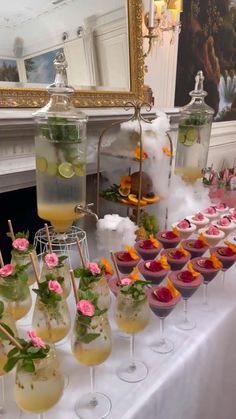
(194, 134)
(60, 146)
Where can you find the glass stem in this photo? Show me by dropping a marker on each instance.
(131, 353)
(185, 310)
(93, 401)
(223, 278)
(205, 298)
(162, 328)
(2, 401)
(41, 416)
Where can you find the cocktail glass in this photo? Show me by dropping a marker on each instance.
(91, 345)
(131, 316)
(63, 270)
(100, 288)
(227, 258)
(186, 289)
(208, 275)
(51, 323)
(38, 391)
(23, 259)
(16, 296)
(162, 310)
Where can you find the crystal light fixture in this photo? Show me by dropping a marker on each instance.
(163, 15)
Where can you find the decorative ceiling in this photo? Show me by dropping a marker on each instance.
(29, 9)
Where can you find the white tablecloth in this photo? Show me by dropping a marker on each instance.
(196, 381)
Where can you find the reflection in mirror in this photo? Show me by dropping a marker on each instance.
(92, 34)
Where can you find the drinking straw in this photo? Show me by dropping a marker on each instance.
(1, 260)
(11, 230)
(115, 266)
(34, 267)
(10, 337)
(48, 237)
(80, 253)
(72, 276)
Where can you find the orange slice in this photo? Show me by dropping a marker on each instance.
(124, 201)
(134, 200)
(151, 200)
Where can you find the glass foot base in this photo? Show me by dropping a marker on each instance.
(93, 406)
(186, 324)
(163, 346)
(132, 371)
(207, 307)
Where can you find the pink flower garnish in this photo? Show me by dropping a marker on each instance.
(186, 276)
(36, 341)
(169, 235)
(226, 251)
(7, 270)
(163, 294)
(94, 268)
(154, 266)
(184, 224)
(198, 217)
(146, 244)
(224, 221)
(55, 286)
(220, 206)
(20, 244)
(208, 264)
(176, 254)
(198, 244)
(210, 210)
(126, 281)
(51, 260)
(213, 231)
(124, 257)
(86, 307)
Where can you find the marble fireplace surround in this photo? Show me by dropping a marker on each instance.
(17, 162)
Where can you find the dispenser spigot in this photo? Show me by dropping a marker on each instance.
(86, 210)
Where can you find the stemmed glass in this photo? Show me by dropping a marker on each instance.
(162, 301)
(91, 345)
(132, 316)
(227, 255)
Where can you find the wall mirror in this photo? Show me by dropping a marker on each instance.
(102, 42)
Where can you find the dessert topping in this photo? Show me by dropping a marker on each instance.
(107, 267)
(163, 294)
(124, 257)
(169, 235)
(201, 238)
(132, 252)
(191, 270)
(221, 206)
(225, 251)
(230, 246)
(150, 243)
(213, 231)
(212, 262)
(184, 224)
(134, 274)
(157, 265)
(198, 217)
(210, 210)
(224, 221)
(186, 276)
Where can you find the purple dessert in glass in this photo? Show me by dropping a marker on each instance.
(168, 238)
(205, 266)
(153, 270)
(195, 247)
(176, 258)
(185, 282)
(225, 254)
(147, 250)
(125, 262)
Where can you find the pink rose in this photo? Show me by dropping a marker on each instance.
(224, 221)
(213, 231)
(184, 224)
(198, 217)
(55, 286)
(36, 341)
(94, 268)
(86, 307)
(126, 281)
(220, 206)
(51, 260)
(7, 270)
(20, 244)
(210, 210)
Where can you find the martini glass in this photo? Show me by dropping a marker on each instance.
(131, 317)
(152, 270)
(147, 250)
(199, 265)
(162, 310)
(227, 258)
(176, 258)
(187, 289)
(195, 247)
(92, 353)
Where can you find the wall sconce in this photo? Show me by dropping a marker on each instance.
(163, 15)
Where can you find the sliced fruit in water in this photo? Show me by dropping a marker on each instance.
(41, 164)
(79, 169)
(66, 170)
(51, 169)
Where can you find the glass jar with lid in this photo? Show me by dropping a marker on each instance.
(60, 147)
(194, 134)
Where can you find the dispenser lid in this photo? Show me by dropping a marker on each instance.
(197, 103)
(60, 103)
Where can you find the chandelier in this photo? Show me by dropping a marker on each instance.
(163, 15)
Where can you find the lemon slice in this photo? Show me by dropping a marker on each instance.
(66, 170)
(79, 169)
(41, 164)
(51, 169)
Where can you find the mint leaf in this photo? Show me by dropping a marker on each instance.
(28, 365)
(89, 337)
(10, 364)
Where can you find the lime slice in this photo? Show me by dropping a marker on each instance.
(41, 164)
(79, 169)
(191, 136)
(52, 169)
(66, 170)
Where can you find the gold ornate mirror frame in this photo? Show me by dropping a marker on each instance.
(26, 97)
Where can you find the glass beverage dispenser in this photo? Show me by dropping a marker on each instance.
(194, 134)
(60, 147)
